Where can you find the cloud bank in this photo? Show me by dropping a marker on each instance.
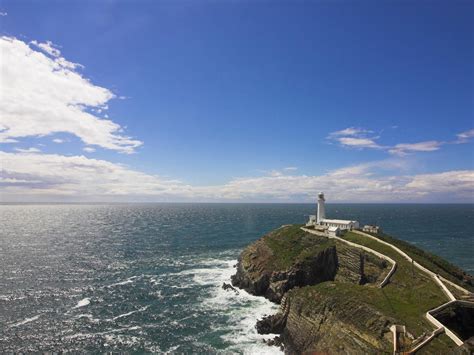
(42, 93)
(359, 138)
(50, 177)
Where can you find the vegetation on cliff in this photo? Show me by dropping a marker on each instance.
(329, 294)
(283, 259)
(290, 246)
(432, 262)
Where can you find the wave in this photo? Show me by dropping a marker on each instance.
(242, 309)
(91, 335)
(82, 303)
(125, 282)
(27, 320)
(130, 313)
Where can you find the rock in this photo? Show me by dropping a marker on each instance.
(328, 292)
(290, 259)
(318, 322)
(229, 287)
(276, 341)
(271, 324)
(261, 272)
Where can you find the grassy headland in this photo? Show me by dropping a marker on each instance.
(290, 245)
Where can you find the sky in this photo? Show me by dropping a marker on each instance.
(237, 101)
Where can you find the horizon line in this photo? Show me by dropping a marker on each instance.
(223, 203)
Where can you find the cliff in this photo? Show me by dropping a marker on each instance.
(329, 294)
(289, 257)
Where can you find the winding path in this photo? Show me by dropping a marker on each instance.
(440, 281)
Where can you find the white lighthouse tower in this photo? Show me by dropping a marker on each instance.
(323, 224)
(321, 212)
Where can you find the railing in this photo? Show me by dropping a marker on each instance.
(380, 255)
(438, 279)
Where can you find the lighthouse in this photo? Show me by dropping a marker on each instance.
(320, 222)
(321, 212)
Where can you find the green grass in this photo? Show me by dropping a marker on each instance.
(290, 245)
(432, 262)
(442, 344)
(408, 296)
(410, 293)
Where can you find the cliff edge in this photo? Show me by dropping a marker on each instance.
(330, 296)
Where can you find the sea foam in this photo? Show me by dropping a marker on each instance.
(27, 320)
(82, 303)
(243, 309)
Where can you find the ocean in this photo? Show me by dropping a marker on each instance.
(148, 277)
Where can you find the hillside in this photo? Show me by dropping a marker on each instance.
(330, 295)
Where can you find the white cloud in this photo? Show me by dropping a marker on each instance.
(358, 142)
(358, 138)
(58, 140)
(405, 148)
(48, 47)
(455, 182)
(275, 173)
(49, 177)
(350, 131)
(3, 13)
(465, 136)
(28, 150)
(281, 172)
(42, 94)
(78, 177)
(357, 183)
(88, 149)
(355, 138)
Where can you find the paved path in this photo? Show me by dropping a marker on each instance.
(372, 251)
(440, 281)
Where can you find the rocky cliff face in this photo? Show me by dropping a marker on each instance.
(307, 260)
(282, 263)
(310, 320)
(257, 274)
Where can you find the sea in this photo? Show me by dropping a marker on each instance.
(140, 278)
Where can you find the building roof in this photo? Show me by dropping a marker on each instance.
(337, 221)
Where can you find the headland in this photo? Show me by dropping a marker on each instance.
(349, 291)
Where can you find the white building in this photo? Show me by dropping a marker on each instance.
(334, 231)
(320, 218)
(372, 229)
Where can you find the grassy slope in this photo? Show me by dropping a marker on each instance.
(430, 261)
(408, 296)
(439, 345)
(410, 292)
(291, 245)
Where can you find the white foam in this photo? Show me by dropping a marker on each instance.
(90, 317)
(11, 298)
(27, 320)
(122, 340)
(125, 282)
(83, 335)
(243, 309)
(130, 313)
(172, 349)
(82, 303)
(157, 294)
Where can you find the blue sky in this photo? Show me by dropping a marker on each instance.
(371, 101)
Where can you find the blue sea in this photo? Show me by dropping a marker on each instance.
(147, 277)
